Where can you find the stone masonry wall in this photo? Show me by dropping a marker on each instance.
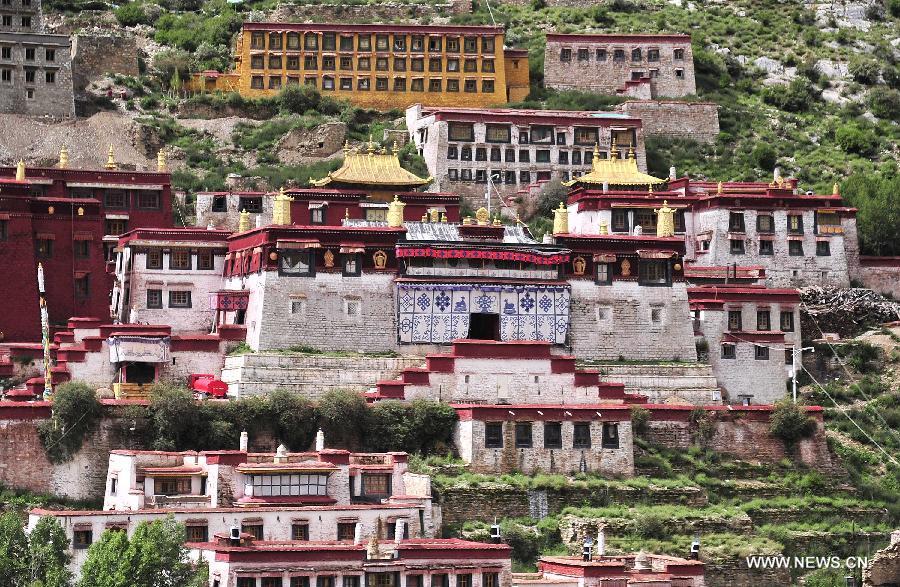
(608, 322)
(672, 119)
(41, 95)
(95, 55)
(882, 274)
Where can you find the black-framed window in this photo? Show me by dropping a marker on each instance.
(464, 580)
(376, 484)
(760, 353)
(763, 320)
(246, 582)
(737, 246)
(205, 260)
(219, 204)
(326, 580)
(542, 134)
(619, 220)
(654, 272)
(297, 263)
(766, 248)
(43, 247)
(736, 222)
(576, 158)
(524, 156)
(552, 434)
(351, 265)
(252, 204)
(603, 273)
(82, 249)
(581, 437)
(148, 200)
(115, 199)
(795, 223)
(154, 259)
(565, 55)
(452, 152)
(787, 321)
(253, 528)
(823, 249)
(523, 435)
(346, 530)
(480, 154)
(197, 532)
(180, 259)
(440, 580)
(300, 531)
(299, 581)
(82, 538)
(465, 154)
(497, 133)
(353, 580)
(154, 299)
(487, 580)
(795, 248)
(563, 157)
(461, 131)
(495, 154)
(789, 355)
(179, 299)
(542, 156)
(610, 435)
(524, 177)
(493, 435)
(83, 287)
(734, 320)
(729, 351)
(317, 215)
(765, 223)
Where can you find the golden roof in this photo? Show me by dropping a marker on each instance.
(615, 171)
(371, 168)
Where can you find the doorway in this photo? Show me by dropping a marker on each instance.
(140, 373)
(484, 326)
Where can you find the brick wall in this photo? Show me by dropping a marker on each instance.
(881, 274)
(608, 322)
(671, 119)
(94, 56)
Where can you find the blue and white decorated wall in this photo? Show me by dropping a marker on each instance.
(439, 313)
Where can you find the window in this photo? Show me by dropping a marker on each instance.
(148, 200)
(4, 230)
(765, 223)
(787, 321)
(582, 435)
(495, 154)
(83, 287)
(50, 77)
(766, 248)
(461, 131)
(586, 136)
(493, 435)
(656, 315)
(353, 580)
(257, 62)
(652, 54)
(399, 64)
(180, 259)
(583, 55)
(440, 580)
(417, 64)
(435, 85)
(466, 154)
(823, 249)
(43, 247)
(310, 62)
(523, 434)
(329, 42)
(289, 485)
(197, 533)
(679, 74)
(654, 272)
(399, 43)
(678, 54)
(154, 299)
(299, 581)
(381, 84)
(346, 530)
(328, 83)
(296, 263)
(463, 580)
(5, 52)
(29, 76)
(83, 249)
(565, 55)
(789, 355)
(346, 63)
(452, 152)
(364, 64)
(205, 260)
(6, 75)
(253, 528)
(734, 320)
(541, 134)
(470, 86)
(82, 538)
(480, 176)
(760, 353)
(563, 157)
(179, 299)
(364, 84)
(434, 65)
(552, 435)
(417, 85)
(498, 133)
(737, 246)
(293, 62)
(115, 226)
(346, 83)
(480, 154)
(736, 222)
(576, 157)
(251, 204)
(452, 85)
(7, 20)
(795, 223)
(29, 53)
(246, 582)
(453, 174)
(352, 265)
(728, 351)
(635, 54)
(524, 177)
(154, 259)
(328, 62)
(610, 435)
(763, 321)
(271, 582)
(381, 43)
(795, 248)
(600, 54)
(434, 44)
(399, 84)
(172, 486)
(274, 61)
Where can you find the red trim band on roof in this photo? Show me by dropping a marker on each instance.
(458, 253)
(374, 28)
(613, 38)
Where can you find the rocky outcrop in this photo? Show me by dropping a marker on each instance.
(884, 568)
(301, 145)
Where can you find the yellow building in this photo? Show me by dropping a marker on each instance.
(376, 65)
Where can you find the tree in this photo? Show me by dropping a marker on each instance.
(296, 419)
(76, 410)
(343, 416)
(790, 422)
(877, 200)
(154, 557)
(298, 98)
(864, 70)
(885, 103)
(13, 550)
(48, 555)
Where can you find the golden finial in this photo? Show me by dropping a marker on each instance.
(111, 160)
(561, 220)
(63, 158)
(719, 188)
(80, 211)
(160, 161)
(613, 151)
(244, 222)
(20, 170)
(281, 212)
(396, 148)
(443, 217)
(497, 220)
(835, 190)
(395, 213)
(596, 151)
(346, 213)
(371, 145)
(346, 148)
(665, 220)
(482, 216)
(650, 189)
(604, 227)
(631, 151)
(435, 215)
(467, 221)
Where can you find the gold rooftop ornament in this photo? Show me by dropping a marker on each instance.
(371, 168)
(244, 222)
(20, 170)
(665, 220)
(160, 161)
(561, 220)
(835, 190)
(281, 211)
(604, 228)
(482, 216)
(111, 160)
(395, 213)
(63, 158)
(615, 171)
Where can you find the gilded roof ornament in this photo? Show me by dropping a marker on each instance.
(835, 190)
(561, 219)
(372, 169)
(665, 220)
(615, 171)
(244, 222)
(20, 170)
(63, 158)
(482, 216)
(719, 188)
(111, 160)
(160, 161)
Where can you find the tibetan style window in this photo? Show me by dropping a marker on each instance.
(524, 156)
(495, 154)
(487, 66)
(293, 41)
(728, 351)
(736, 222)
(376, 485)
(197, 532)
(795, 224)
(82, 538)
(440, 580)
(82, 249)
(619, 220)
(542, 134)
(453, 65)
(452, 152)
(480, 154)
(352, 265)
(83, 287)
(417, 44)
(610, 435)
(364, 64)
(180, 259)
(795, 248)
(652, 54)
(353, 580)
(497, 133)
(765, 223)
(542, 156)
(148, 200)
(154, 299)
(766, 248)
(317, 215)
(582, 435)
(253, 205)
(311, 41)
(329, 42)
(4, 230)
(734, 320)
(346, 530)
(328, 62)
(586, 136)
(787, 321)
(763, 320)
(600, 54)
(583, 54)
(364, 42)
(470, 86)
(434, 44)
(435, 65)
(296, 263)
(300, 531)
(271, 582)
(565, 55)
(179, 299)
(325, 580)
(310, 62)
(299, 582)
(452, 85)
(490, 580)
(115, 199)
(463, 580)
(274, 40)
(274, 61)
(154, 259)
(172, 486)
(654, 272)
(258, 40)
(115, 226)
(289, 485)
(563, 157)
(603, 274)
(382, 43)
(435, 85)
(552, 435)
(346, 63)
(253, 528)
(823, 249)
(493, 435)
(399, 42)
(760, 353)
(470, 45)
(461, 131)
(678, 54)
(737, 246)
(246, 582)
(346, 43)
(635, 54)
(205, 260)
(523, 435)
(293, 62)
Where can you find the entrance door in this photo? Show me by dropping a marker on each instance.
(484, 326)
(140, 373)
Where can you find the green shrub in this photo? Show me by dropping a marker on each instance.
(640, 420)
(864, 70)
(76, 411)
(764, 156)
(855, 139)
(790, 422)
(131, 14)
(798, 96)
(885, 103)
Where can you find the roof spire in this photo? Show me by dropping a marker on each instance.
(20, 170)
(835, 190)
(63, 158)
(111, 160)
(161, 161)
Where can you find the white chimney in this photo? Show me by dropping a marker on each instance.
(672, 174)
(320, 441)
(399, 530)
(245, 441)
(281, 454)
(601, 541)
(357, 533)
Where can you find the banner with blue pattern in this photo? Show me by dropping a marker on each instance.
(439, 313)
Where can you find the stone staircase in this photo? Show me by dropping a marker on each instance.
(310, 375)
(664, 383)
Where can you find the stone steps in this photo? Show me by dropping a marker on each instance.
(664, 383)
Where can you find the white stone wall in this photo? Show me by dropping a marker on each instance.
(230, 218)
(612, 321)
(614, 462)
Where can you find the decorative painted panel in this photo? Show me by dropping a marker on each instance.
(439, 313)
